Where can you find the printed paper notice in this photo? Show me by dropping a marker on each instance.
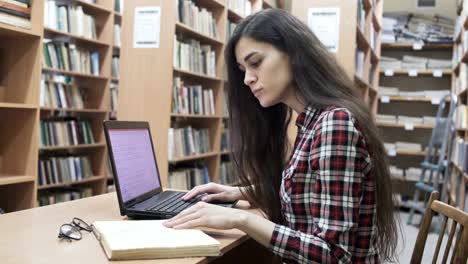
(325, 23)
(147, 27)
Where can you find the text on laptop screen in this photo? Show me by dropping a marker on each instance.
(134, 162)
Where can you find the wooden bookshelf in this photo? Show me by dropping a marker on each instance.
(351, 32)
(146, 84)
(96, 96)
(20, 60)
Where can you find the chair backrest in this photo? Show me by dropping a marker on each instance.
(458, 224)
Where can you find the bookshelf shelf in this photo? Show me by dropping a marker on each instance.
(95, 9)
(51, 33)
(12, 31)
(76, 74)
(7, 180)
(195, 116)
(196, 75)
(17, 106)
(403, 126)
(73, 147)
(408, 99)
(71, 183)
(411, 153)
(411, 46)
(211, 4)
(190, 32)
(360, 82)
(362, 42)
(367, 5)
(195, 157)
(419, 72)
(71, 110)
(225, 152)
(234, 16)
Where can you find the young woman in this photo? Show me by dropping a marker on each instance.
(331, 201)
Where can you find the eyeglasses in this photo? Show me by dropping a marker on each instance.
(72, 231)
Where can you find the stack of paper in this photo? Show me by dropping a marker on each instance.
(439, 64)
(437, 94)
(407, 146)
(388, 24)
(389, 63)
(413, 63)
(413, 174)
(429, 120)
(409, 119)
(389, 147)
(396, 173)
(418, 94)
(388, 91)
(388, 119)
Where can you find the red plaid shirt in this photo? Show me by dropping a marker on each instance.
(327, 193)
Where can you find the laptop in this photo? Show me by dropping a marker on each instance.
(136, 175)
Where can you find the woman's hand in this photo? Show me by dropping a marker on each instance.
(215, 192)
(207, 215)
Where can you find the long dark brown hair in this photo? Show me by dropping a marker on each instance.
(259, 135)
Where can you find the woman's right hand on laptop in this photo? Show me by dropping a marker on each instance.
(214, 192)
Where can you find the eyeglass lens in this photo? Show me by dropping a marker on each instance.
(69, 231)
(81, 224)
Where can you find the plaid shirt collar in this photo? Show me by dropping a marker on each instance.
(305, 118)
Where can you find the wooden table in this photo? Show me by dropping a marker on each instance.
(30, 236)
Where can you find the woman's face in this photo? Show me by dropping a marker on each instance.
(267, 71)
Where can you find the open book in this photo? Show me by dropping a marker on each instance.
(147, 239)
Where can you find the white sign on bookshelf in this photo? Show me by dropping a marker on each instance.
(413, 73)
(391, 152)
(435, 101)
(409, 126)
(389, 72)
(418, 45)
(385, 99)
(325, 23)
(437, 73)
(147, 27)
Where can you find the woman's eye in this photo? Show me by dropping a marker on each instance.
(256, 63)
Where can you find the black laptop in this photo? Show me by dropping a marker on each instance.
(136, 174)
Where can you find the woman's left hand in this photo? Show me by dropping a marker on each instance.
(207, 215)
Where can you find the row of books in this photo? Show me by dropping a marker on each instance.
(410, 173)
(196, 17)
(68, 57)
(414, 63)
(115, 66)
(460, 154)
(242, 7)
(188, 141)
(360, 60)
(402, 120)
(422, 94)
(60, 95)
(230, 27)
(119, 6)
(61, 196)
(65, 133)
(190, 55)
(114, 93)
(117, 35)
(54, 170)
(69, 18)
(461, 116)
(225, 139)
(402, 146)
(460, 83)
(185, 178)
(16, 13)
(226, 173)
(192, 99)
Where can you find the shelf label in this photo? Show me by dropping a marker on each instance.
(389, 72)
(391, 152)
(437, 73)
(147, 27)
(409, 98)
(418, 45)
(413, 73)
(409, 126)
(435, 101)
(385, 99)
(325, 23)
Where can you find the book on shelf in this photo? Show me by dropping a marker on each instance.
(226, 173)
(68, 57)
(242, 7)
(65, 132)
(460, 154)
(360, 57)
(187, 141)
(60, 94)
(16, 13)
(193, 99)
(65, 169)
(187, 177)
(63, 195)
(148, 239)
(115, 66)
(114, 89)
(117, 35)
(198, 18)
(190, 55)
(119, 6)
(70, 19)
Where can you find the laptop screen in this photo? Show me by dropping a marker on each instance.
(134, 161)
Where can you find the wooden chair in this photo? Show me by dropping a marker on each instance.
(458, 218)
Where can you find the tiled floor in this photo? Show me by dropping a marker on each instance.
(406, 243)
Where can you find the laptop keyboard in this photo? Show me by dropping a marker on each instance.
(174, 204)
